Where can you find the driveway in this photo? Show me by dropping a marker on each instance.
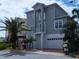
(32, 55)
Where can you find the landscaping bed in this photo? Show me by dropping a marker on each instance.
(75, 54)
(4, 45)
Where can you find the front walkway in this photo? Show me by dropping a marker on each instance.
(32, 55)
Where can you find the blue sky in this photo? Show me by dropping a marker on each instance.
(16, 8)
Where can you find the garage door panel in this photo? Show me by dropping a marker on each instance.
(55, 44)
(54, 41)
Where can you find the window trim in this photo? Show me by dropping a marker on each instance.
(39, 16)
(44, 29)
(44, 15)
(32, 28)
(58, 23)
(38, 29)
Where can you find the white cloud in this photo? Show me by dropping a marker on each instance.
(12, 8)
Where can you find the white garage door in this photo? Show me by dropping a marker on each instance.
(56, 43)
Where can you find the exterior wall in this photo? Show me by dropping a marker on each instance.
(59, 12)
(30, 18)
(30, 22)
(38, 12)
(52, 13)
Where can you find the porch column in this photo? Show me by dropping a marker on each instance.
(34, 43)
(42, 33)
(41, 40)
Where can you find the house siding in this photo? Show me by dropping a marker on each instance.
(52, 13)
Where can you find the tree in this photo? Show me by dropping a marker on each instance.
(70, 35)
(13, 27)
(75, 13)
(71, 32)
(30, 41)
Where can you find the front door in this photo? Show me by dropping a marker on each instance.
(38, 41)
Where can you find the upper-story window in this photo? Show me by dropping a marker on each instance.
(58, 24)
(40, 27)
(44, 16)
(32, 28)
(44, 26)
(39, 16)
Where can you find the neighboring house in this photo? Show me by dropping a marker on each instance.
(46, 23)
(2, 39)
(22, 34)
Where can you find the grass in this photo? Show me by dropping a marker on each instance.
(4, 46)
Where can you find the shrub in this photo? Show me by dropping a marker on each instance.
(4, 45)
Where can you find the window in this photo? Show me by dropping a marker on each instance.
(55, 39)
(44, 28)
(40, 26)
(39, 16)
(32, 28)
(58, 24)
(44, 16)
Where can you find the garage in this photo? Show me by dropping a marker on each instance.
(54, 41)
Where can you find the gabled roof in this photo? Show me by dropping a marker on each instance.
(46, 6)
(41, 4)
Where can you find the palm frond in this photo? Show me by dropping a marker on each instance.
(3, 30)
(24, 29)
(75, 13)
(2, 27)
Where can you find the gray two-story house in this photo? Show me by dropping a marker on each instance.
(46, 23)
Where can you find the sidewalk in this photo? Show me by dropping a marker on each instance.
(37, 54)
(49, 53)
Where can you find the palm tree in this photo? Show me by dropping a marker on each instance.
(71, 35)
(75, 13)
(13, 27)
(30, 41)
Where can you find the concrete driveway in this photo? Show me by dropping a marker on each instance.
(32, 55)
